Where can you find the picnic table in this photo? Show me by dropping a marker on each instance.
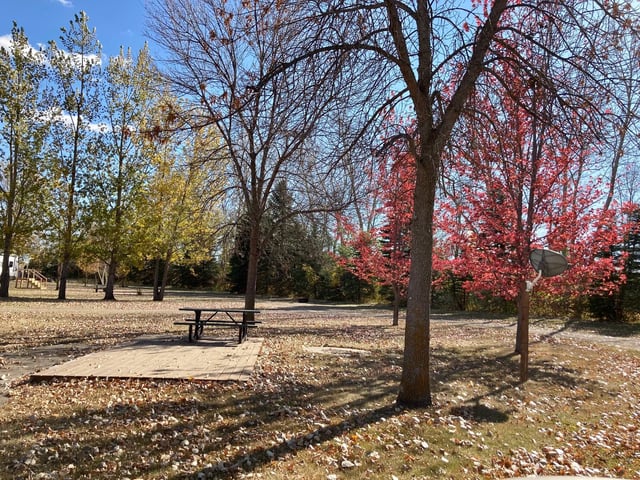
(219, 317)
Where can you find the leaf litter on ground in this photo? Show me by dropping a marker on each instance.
(308, 413)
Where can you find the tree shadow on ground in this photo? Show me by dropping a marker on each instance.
(360, 391)
(480, 413)
(611, 329)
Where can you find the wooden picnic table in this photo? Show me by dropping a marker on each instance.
(229, 317)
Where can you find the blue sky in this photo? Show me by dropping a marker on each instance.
(117, 22)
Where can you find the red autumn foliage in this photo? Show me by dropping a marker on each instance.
(521, 184)
(381, 254)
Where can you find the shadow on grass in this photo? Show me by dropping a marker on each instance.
(611, 329)
(249, 422)
(283, 412)
(480, 413)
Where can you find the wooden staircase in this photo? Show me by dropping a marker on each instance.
(30, 278)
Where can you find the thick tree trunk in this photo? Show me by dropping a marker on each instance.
(7, 245)
(111, 280)
(62, 280)
(165, 275)
(415, 388)
(518, 345)
(252, 269)
(4, 277)
(161, 278)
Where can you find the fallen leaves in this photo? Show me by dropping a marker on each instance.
(309, 414)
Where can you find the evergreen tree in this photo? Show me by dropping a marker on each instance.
(630, 291)
(292, 253)
(623, 303)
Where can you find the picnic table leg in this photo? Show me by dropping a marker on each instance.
(191, 339)
(244, 329)
(199, 325)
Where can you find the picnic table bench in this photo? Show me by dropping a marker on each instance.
(229, 317)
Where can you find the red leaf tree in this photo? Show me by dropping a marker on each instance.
(381, 254)
(522, 183)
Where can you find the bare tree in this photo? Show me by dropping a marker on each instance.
(217, 51)
(622, 138)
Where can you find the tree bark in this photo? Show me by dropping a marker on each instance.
(62, 280)
(415, 388)
(7, 240)
(252, 268)
(5, 276)
(518, 345)
(111, 280)
(161, 277)
(157, 287)
(523, 331)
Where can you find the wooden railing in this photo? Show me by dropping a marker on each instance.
(30, 278)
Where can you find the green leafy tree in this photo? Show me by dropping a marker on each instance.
(75, 76)
(182, 212)
(23, 127)
(122, 167)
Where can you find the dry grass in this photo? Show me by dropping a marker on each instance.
(312, 415)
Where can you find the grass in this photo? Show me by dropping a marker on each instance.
(310, 415)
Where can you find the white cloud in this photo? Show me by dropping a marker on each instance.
(65, 3)
(6, 41)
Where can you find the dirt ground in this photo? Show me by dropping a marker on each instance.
(29, 350)
(321, 399)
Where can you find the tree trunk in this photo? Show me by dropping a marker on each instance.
(396, 304)
(252, 268)
(7, 241)
(518, 346)
(5, 279)
(158, 294)
(161, 277)
(165, 276)
(415, 388)
(66, 252)
(62, 281)
(111, 280)
(523, 331)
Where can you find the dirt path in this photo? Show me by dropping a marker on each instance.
(560, 332)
